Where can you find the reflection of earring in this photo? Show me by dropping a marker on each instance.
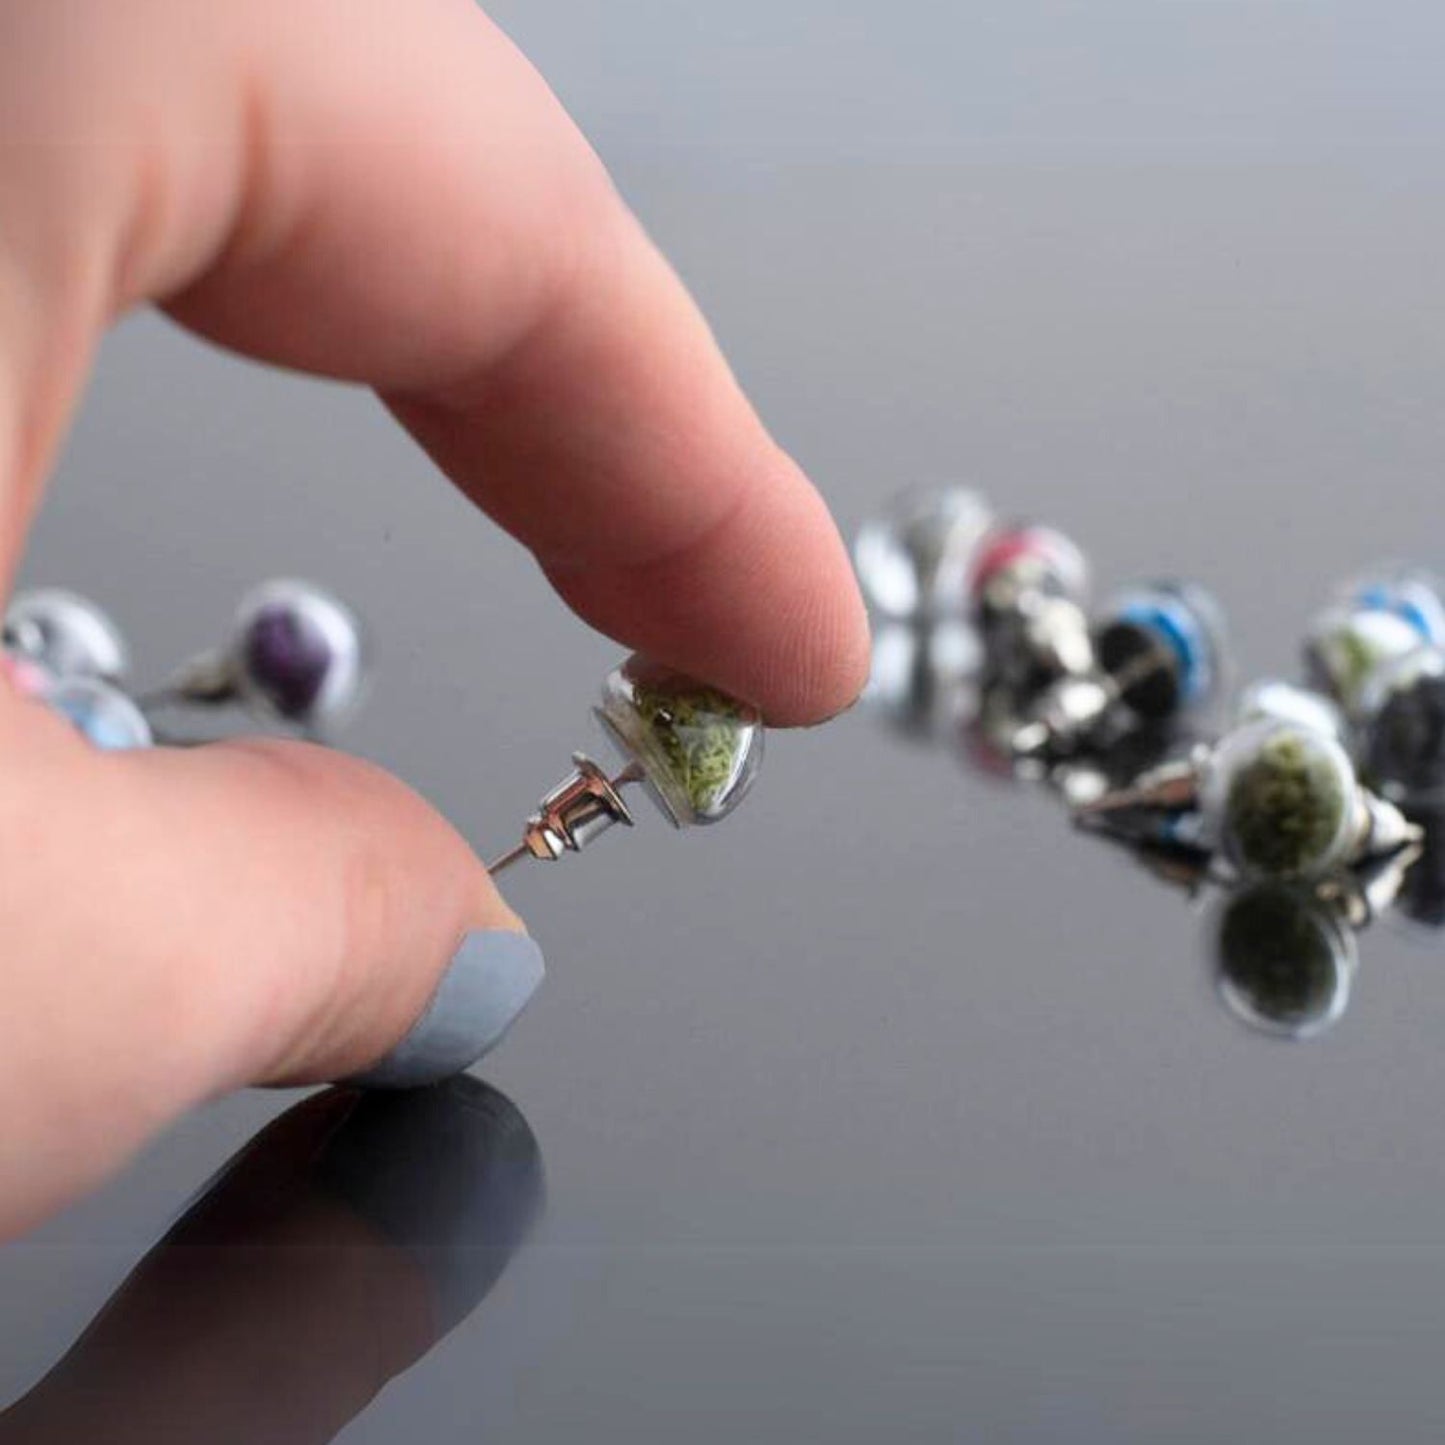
(925, 678)
(1161, 651)
(1283, 960)
(694, 749)
(296, 654)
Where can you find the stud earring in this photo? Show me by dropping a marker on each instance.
(694, 750)
(1028, 590)
(1273, 799)
(296, 655)
(1160, 652)
(64, 650)
(65, 634)
(1347, 646)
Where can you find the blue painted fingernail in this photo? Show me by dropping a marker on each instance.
(486, 986)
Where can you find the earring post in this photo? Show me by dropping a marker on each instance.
(507, 859)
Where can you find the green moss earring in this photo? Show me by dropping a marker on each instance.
(1274, 798)
(695, 751)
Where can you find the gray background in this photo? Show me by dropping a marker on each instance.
(892, 1110)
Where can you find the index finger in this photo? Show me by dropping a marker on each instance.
(391, 194)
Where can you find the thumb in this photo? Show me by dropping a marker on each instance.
(184, 922)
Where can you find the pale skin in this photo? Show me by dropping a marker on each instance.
(383, 191)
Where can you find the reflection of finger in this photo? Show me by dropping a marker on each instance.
(327, 1258)
(393, 195)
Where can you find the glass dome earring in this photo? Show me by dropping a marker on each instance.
(296, 655)
(1028, 591)
(1273, 798)
(913, 556)
(1160, 651)
(65, 634)
(695, 751)
(1347, 646)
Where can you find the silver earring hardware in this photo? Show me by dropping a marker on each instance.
(694, 750)
(1161, 654)
(296, 655)
(584, 805)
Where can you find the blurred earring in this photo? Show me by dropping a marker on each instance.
(1161, 652)
(65, 634)
(296, 655)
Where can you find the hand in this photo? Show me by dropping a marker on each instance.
(384, 192)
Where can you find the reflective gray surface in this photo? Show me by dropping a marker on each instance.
(891, 1109)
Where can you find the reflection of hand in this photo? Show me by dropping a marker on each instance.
(386, 193)
(337, 1248)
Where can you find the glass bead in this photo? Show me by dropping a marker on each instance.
(1402, 737)
(1346, 646)
(1181, 624)
(1412, 593)
(103, 714)
(913, 558)
(1283, 960)
(299, 654)
(1272, 697)
(698, 749)
(65, 633)
(1281, 800)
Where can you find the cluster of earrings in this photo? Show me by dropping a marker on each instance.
(296, 657)
(1309, 809)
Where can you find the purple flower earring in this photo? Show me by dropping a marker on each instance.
(296, 655)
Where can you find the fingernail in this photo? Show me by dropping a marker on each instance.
(486, 986)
